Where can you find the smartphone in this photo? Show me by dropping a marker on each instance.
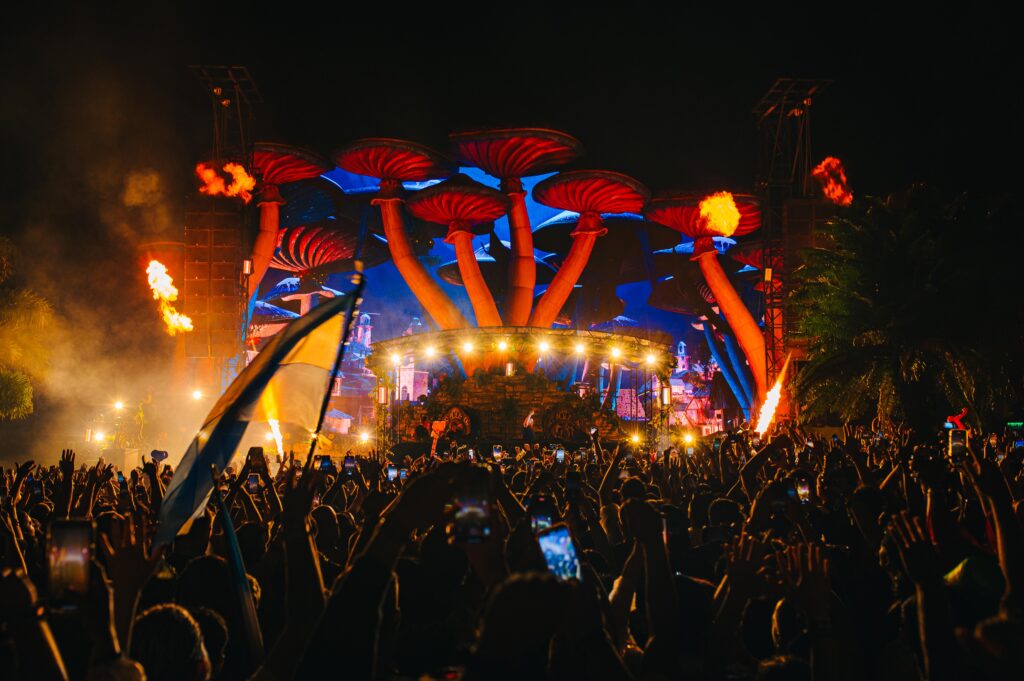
(835, 439)
(560, 455)
(158, 455)
(120, 478)
(716, 445)
(324, 463)
(471, 509)
(689, 451)
(349, 466)
(35, 487)
(809, 443)
(755, 440)
(803, 491)
(70, 545)
(559, 552)
(403, 473)
(542, 512)
(471, 454)
(957, 444)
(593, 431)
(253, 483)
(1018, 444)
(257, 460)
(392, 473)
(496, 452)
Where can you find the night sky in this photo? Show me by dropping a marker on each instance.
(92, 95)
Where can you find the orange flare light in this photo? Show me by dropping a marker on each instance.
(166, 293)
(771, 402)
(719, 213)
(832, 176)
(275, 430)
(242, 183)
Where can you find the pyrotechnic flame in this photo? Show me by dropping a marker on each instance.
(165, 292)
(275, 428)
(242, 183)
(832, 176)
(771, 402)
(719, 213)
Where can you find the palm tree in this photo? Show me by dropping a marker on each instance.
(912, 313)
(25, 323)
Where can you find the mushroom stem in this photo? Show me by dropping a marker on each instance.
(434, 301)
(748, 334)
(479, 295)
(583, 239)
(523, 271)
(266, 239)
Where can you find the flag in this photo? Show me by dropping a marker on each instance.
(289, 381)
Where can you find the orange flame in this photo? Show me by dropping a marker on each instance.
(166, 293)
(242, 183)
(832, 176)
(771, 402)
(275, 429)
(719, 213)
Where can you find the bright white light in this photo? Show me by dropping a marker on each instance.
(467, 346)
(580, 349)
(396, 359)
(430, 351)
(197, 394)
(119, 405)
(635, 438)
(616, 353)
(268, 436)
(651, 359)
(688, 438)
(543, 346)
(502, 345)
(99, 435)
(364, 437)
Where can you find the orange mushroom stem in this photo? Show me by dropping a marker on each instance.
(270, 202)
(588, 228)
(523, 270)
(461, 236)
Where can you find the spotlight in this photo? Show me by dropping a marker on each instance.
(580, 349)
(99, 435)
(396, 358)
(688, 438)
(634, 438)
(666, 395)
(197, 394)
(430, 351)
(467, 346)
(364, 437)
(651, 359)
(616, 353)
(503, 345)
(119, 405)
(510, 369)
(268, 436)
(543, 346)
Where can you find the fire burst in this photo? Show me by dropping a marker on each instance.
(166, 293)
(275, 429)
(719, 213)
(832, 176)
(771, 402)
(242, 183)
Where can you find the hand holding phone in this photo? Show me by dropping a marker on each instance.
(559, 552)
(70, 545)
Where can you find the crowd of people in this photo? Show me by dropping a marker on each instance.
(802, 557)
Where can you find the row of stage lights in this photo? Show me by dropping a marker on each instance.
(543, 348)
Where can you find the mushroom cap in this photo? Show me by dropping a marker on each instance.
(493, 258)
(458, 199)
(328, 245)
(750, 253)
(681, 212)
(591, 307)
(555, 235)
(393, 159)
(666, 295)
(282, 163)
(515, 152)
(309, 201)
(592, 191)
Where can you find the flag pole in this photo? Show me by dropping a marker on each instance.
(360, 281)
(247, 606)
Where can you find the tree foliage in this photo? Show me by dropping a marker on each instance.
(26, 322)
(913, 312)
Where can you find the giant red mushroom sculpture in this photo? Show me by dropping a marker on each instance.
(276, 164)
(463, 205)
(589, 193)
(511, 154)
(702, 218)
(394, 162)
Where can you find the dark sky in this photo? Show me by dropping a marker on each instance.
(91, 95)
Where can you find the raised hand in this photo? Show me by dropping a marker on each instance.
(67, 463)
(804, 571)
(744, 556)
(919, 558)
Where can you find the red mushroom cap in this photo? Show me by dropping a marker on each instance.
(458, 201)
(281, 164)
(592, 191)
(308, 246)
(681, 212)
(515, 152)
(391, 159)
(750, 253)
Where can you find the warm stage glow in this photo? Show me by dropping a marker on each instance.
(364, 437)
(99, 435)
(771, 402)
(467, 346)
(242, 183)
(543, 346)
(580, 349)
(502, 345)
(165, 292)
(688, 439)
(651, 359)
(634, 438)
(832, 176)
(197, 394)
(719, 213)
(275, 433)
(268, 436)
(118, 406)
(430, 351)
(396, 359)
(616, 353)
